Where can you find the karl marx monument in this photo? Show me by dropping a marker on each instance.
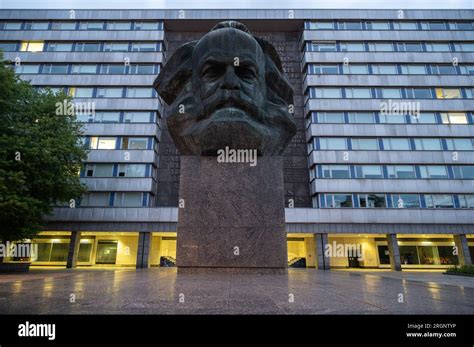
(229, 114)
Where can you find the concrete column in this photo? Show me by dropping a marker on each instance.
(322, 261)
(463, 249)
(143, 252)
(394, 252)
(73, 249)
(310, 252)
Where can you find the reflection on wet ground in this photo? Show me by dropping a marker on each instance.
(302, 291)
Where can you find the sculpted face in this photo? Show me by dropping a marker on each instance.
(224, 97)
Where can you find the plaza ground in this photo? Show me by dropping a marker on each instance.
(302, 291)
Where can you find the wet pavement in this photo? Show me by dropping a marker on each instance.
(302, 291)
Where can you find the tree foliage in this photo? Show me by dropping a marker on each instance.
(41, 154)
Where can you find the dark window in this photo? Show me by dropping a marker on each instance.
(446, 256)
(384, 257)
(409, 255)
(106, 252)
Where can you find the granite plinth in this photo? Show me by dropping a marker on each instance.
(233, 215)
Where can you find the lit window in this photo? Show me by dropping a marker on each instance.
(32, 46)
(134, 143)
(448, 93)
(103, 142)
(454, 118)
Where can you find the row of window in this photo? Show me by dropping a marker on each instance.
(118, 170)
(393, 200)
(92, 69)
(388, 25)
(337, 171)
(388, 46)
(391, 144)
(104, 92)
(89, 46)
(386, 118)
(120, 142)
(81, 25)
(119, 117)
(116, 199)
(391, 93)
(389, 69)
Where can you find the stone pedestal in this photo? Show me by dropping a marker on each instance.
(233, 218)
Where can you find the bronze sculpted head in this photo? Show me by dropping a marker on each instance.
(227, 90)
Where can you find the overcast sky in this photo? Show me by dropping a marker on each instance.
(241, 4)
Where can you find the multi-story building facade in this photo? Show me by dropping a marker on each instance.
(382, 163)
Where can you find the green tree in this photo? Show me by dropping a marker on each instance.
(41, 154)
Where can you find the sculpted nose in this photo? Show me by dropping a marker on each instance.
(230, 79)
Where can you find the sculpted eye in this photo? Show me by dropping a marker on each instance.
(245, 72)
(213, 71)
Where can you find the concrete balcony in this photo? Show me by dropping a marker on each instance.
(434, 186)
(120, 156)
(390, 157)
(122, 129)
(120, 184)
(389, 130)
(83, 35)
